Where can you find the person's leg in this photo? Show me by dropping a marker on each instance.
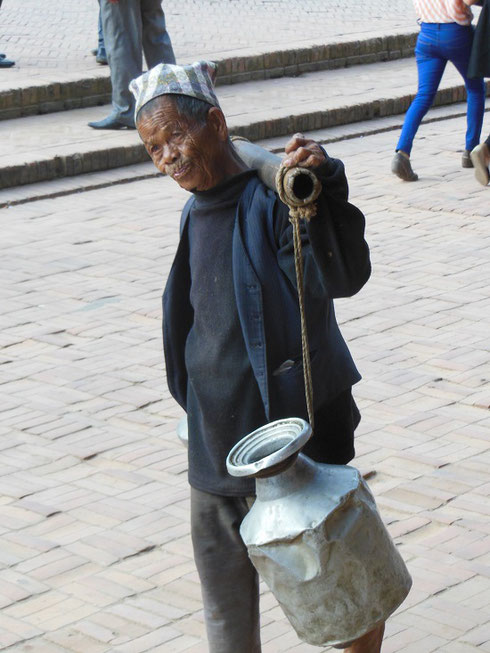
(121, 24)
(157, 46)
(368, 643)
(430, 67)
(459, 41)
(229, 582)
(101, 55)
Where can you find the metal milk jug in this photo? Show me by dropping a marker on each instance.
(316, 538)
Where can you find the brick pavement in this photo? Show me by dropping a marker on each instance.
(49, 36)
(95, 547)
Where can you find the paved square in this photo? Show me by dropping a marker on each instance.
(94, 531)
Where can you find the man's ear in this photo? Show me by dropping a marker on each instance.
(217, 122)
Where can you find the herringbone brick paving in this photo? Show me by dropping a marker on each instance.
(48, 37)
(94, 532)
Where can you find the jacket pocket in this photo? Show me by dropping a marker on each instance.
(287, 385)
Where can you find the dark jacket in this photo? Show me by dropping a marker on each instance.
(336, 265)
(479, 65)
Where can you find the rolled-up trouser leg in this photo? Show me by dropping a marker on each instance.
(157, 45)
(121, 24)
(229, 582)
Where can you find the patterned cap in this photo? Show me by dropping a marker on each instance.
(195, 80)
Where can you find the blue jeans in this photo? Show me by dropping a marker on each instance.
(437, 44)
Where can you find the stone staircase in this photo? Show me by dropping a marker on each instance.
(44, 132)
(74, 91)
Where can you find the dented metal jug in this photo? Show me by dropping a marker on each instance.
(316, 538)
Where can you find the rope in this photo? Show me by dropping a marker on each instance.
(300, 210)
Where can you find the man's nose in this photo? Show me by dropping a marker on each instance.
(169, 154)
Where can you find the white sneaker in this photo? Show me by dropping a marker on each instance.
(480, 156)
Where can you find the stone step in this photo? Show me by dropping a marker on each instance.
(139, 171)
(74, 90)
(55, 145)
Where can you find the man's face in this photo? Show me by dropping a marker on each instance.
(181, 148)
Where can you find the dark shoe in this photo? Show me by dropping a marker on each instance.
(480, 156)
(6, 63)
(466, 160)
(101, 59)
(401, 167)
(110, 123)
(94, 51)
(2, 56)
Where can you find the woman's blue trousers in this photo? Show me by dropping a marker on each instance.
(437, 44)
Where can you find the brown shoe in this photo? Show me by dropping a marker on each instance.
(466, 160)
(480, 157)
(401, 167)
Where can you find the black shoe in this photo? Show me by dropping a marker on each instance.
(102, 60)
(6, 63)
(401, 167)
(94, 51)
(110, 123)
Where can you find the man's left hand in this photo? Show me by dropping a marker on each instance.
(304, 152)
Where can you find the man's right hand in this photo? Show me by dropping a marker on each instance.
(305, 152)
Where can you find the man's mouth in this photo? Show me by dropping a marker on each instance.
(180, 171)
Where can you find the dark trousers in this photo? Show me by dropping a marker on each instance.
(229, 582)
(437, 44)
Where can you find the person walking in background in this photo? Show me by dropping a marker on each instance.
(445, 35)
(4, 62)
(130, 28)
(479, 66)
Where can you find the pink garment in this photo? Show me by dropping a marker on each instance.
(443, 11)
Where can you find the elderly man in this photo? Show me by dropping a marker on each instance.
(231, 323)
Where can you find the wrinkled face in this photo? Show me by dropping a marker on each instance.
(181, 148)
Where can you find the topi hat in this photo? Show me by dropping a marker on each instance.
(194, 80)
